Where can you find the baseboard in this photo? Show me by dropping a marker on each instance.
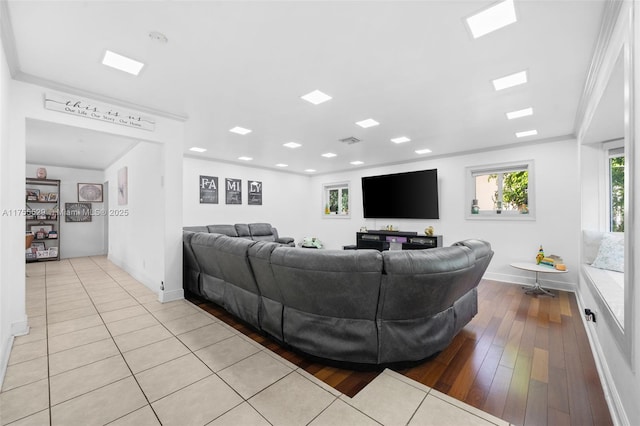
(4, 358)
(140, 276)
(20, 328)
(611, 395)
(169, 296)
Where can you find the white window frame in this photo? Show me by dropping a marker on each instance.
(473, 171)
(340, 186)
(612, 150)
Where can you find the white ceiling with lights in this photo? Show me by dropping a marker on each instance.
(407, 79)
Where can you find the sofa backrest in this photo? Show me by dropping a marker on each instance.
(260, 260)
(242, 229)
(422, 283)
(212, 280)
(332, 283)
(195, 228)
(228, 230)
(483, 255)
(261, 232)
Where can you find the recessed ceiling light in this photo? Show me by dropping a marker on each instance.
(329, 155)
(197, 149)
(423, 151)
(497, 16)
(245, 158)
(310, 170)
(526, 133)
(520, 113)
(356, 163)
(316, 97)
(292, 145)
(282, 165)
(240, 130)
(401, 139)
(369, 122)
(510, 80)
(122, 63)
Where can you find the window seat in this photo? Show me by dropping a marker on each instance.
(610, 284)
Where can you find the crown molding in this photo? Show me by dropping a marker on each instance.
(8, 40)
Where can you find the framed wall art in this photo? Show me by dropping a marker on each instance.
(255, 193)
(208, 189)
(123, 187)
(90, 192)
(77, 212)
(233, 191)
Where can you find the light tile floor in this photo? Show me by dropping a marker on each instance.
(102, 350)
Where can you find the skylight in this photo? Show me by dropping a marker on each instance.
(526, 133)
(316, 97)
(245, 158)
(497, 16)
(510, 80)
(197, 149)
(401, 139)
(423, 151)
(240, 130)
(292, 145)
(329, 155)
(369, 122)
(520, 113)
(356, 163)
(122, 63)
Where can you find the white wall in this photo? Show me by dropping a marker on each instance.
(13, 319)
(136, 230)
(556, 225)
(285, 198)
(76, 239)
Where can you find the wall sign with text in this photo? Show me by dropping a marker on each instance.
(255, 193)
(233, 189)
(84, 108)
(208, 189)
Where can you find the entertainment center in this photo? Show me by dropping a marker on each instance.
(383, 240)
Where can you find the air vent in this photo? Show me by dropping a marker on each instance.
(350, 140)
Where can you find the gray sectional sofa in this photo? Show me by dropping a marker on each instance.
(358, 306)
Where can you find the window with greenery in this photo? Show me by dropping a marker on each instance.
(501, 190)
(616, 190)
(336, 200)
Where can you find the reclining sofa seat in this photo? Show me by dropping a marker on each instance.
(226, 275)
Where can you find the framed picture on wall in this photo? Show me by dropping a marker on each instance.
(233, 191)
(90, 192)
(77, 212)
(123, 187)
(208, 189)
(255, 193)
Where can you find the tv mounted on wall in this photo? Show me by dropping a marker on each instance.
(411, 195)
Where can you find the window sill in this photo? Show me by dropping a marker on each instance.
(336, 216)
(495, 216)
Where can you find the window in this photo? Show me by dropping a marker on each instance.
(616, 190)
(336, 200)
(500, 191)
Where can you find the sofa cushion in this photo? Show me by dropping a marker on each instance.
(611, 252)
(195, 228)
(242, 229)
(261, 232)
(228, 230)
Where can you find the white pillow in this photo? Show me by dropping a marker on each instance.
(590, 244)
(611, 253)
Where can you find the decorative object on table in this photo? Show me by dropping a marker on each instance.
(428, 231)
(77, 212)
(326, 209)
(475, 209)
(208, 189)
(540, 255)
(499, 207)
(233, 188)
(123, 187)
(52, 197)
(255, 193)
(53, 251)
(551, 260)
(52, 235)
(523, 209)
(363, 229)
(43, 197)
(311, 242)
(90, 192)
(37, 245)
(41, 173)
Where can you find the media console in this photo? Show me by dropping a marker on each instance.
(383, 240)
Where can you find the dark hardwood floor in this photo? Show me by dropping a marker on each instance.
(525, 359)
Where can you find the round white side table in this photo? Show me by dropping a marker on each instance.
(530, 266)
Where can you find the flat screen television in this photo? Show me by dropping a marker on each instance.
(411, 195)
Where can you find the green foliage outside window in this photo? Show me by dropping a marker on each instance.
(515, 187)
(345, 200)
(616, 165)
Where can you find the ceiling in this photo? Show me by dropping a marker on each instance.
(412, 66)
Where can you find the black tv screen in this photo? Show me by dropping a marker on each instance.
(412, 195)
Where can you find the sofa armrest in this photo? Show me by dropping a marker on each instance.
(285, 240)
